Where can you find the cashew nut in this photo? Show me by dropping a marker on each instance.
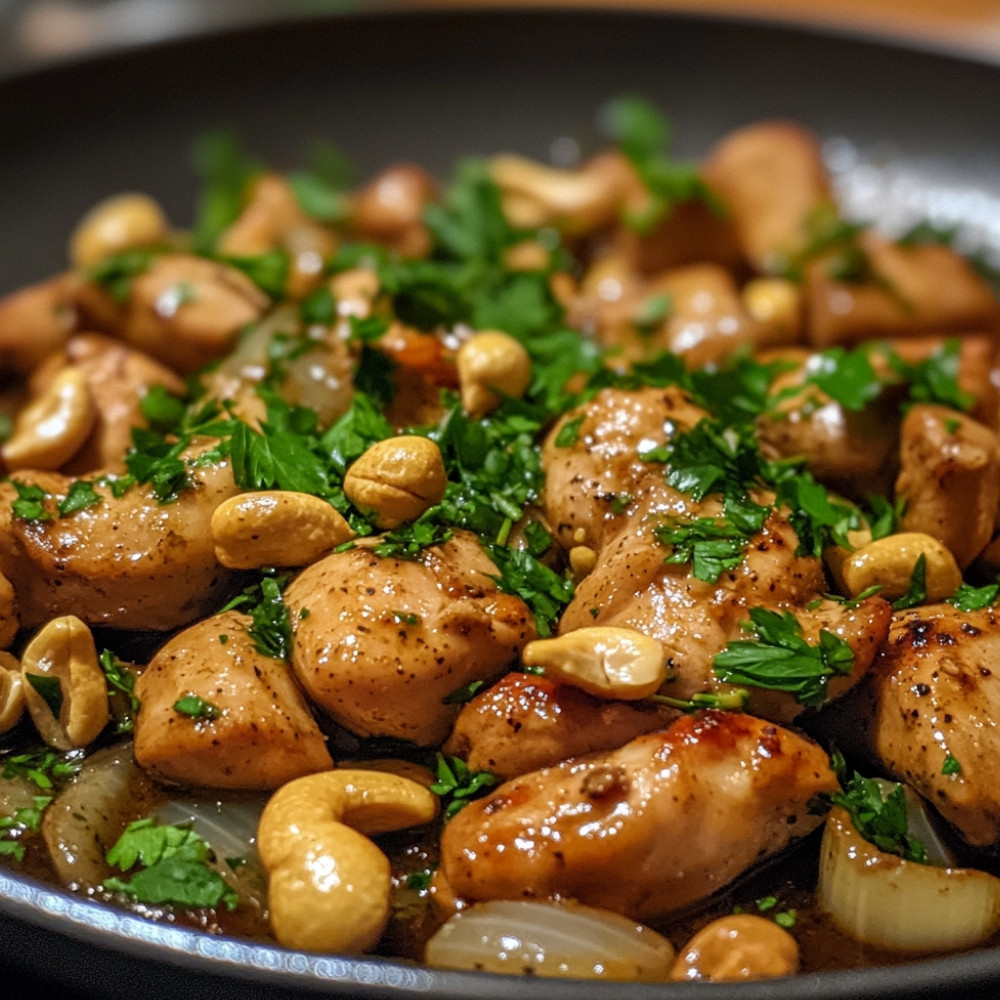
(604, 661)
(888, 563)
(398, 479)
(118, 223)
(275, 528)
(11, 692)
(328, 884)
(575, 200)
(490, 361)
(737, 947)
(52, 428)
(64, 687)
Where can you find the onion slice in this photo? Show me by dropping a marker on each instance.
(550, 939)
(888, 902)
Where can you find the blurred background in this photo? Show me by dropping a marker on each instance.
(37, 32)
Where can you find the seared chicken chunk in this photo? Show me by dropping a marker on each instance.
(933, 694)
(381, 642)
(524, 722)
(663, 822)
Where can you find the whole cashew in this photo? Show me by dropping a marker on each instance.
(328, 884)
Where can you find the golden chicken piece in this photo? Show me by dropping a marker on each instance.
(381, 642)
(248, 725)
(525, 722)
(929, 707)
(126, 562)
(950, 479)
(664, 821)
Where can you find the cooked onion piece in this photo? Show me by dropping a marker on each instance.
(889, 902)
(549, 939)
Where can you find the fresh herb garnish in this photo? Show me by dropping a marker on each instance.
(457, 784)
(780, 658)
(880, 818)
(174, 867)
(43, 766)
(271, 626)
(916, 589)
(196, 707)
(122, 680)
(27, 819)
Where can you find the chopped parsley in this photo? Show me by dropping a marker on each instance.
(456, 784)
(121, 680)
(713, 545)
(27, 819)
(916, 589)
(174, 866)
(43, 766)
(49, 690)
(970, 598)
(271, 627)
(780, 658)
(30, 504)
(880, 818)
(951, 765)
(196, 707)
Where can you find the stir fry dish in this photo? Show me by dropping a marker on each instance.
(579, 570)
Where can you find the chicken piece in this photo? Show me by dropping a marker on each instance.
(183, 310)
(663, 822)
(381, 642)
(912, 291)
(704, 318)
(771, 177)
(525, 722)
(850, 451)
(35, 322)
(950, 479)
(933, 693)
(126, 562)
(631, 586)
(249, 726)
(591, 484)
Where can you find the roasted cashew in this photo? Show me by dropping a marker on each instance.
(888, 563)
(328, 884)
(604, 661)
(398, 479)
(119, 223)
(52, 428)
(574, 200)
(491, 362)
(63, 652)
(275, 528)
(738, 947)
(11, 692)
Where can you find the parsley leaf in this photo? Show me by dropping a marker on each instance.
(271, 627)
(30, 502)
(174, 867)
(544, 591)
(457, 785)
(43, 766)
(195, 707)
(780, 658)
(121, 680)
(880, 818)
(27, 819)
(969, 598)
(916, 589)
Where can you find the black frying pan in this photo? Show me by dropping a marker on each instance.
(432, 87)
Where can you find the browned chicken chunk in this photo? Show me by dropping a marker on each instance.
(666, 820)
(933, 694)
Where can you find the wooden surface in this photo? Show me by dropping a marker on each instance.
(969, 26)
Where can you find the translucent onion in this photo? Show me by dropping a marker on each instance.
(888, 902)
(548, 939)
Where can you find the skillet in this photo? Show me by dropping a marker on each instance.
(912, 133)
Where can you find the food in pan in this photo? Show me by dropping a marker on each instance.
(577, 570)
